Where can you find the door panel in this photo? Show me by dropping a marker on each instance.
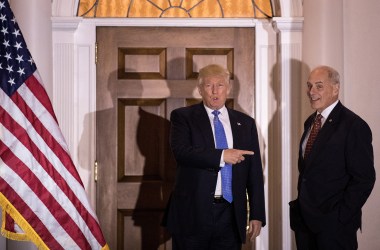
(142, 75)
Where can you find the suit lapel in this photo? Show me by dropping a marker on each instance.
(237, 132)
(306, 128)
(200, 115)
(325, 133)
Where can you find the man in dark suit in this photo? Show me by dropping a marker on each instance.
(336, 171)
(199, 214)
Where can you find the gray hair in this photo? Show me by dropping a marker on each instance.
(332, 74)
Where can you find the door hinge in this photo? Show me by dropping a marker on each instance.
(96, 171)
(96, 53)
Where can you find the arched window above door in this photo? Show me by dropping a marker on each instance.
(176, 8)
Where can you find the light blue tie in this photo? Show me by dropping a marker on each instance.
(226, 171)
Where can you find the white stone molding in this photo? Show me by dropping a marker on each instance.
(65, 23)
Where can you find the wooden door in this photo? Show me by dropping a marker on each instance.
(143, 73)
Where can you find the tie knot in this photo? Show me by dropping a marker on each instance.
(318, 118)
(216, 112)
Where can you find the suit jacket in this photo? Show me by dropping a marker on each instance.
(338, 175)
(192, 143)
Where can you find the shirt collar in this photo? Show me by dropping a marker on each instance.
(326, 112)
(222, 110)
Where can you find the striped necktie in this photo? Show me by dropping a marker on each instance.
(313, 135)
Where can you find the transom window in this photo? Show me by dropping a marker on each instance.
(176, 8)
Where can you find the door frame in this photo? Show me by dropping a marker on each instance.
(278, 43)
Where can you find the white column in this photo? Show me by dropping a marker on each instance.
(74, 93)
(265, 107)
(290, 66)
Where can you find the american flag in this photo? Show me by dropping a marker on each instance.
(41, 194)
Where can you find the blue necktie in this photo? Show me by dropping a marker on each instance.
(226, 171)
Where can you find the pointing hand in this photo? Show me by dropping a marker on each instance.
(233, 156)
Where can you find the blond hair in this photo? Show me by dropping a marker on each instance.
(213, 70)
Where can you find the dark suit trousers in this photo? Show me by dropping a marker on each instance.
(221, 234)
(336, 237)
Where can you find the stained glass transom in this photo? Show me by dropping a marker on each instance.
(176, 8)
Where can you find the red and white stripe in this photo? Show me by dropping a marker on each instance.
(37, 175)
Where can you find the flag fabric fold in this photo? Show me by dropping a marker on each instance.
(41, 194)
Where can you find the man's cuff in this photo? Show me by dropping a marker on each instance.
(222, 163)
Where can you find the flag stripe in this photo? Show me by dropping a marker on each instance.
(44, 163)
(38, 188)
(39, 93)
(25, 95)
(62, 155)
(10, 223)
(58, 160)
(41, 108)
(36, 223)
(30, 136)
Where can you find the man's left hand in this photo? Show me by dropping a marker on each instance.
(254, 229)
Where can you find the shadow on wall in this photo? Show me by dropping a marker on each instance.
(276, 171)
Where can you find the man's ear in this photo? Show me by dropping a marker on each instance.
(199, 89)
(336, 88)
(229, 88)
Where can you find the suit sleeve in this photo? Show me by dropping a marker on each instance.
(188, 144)
(360, 166)
(255, 185)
